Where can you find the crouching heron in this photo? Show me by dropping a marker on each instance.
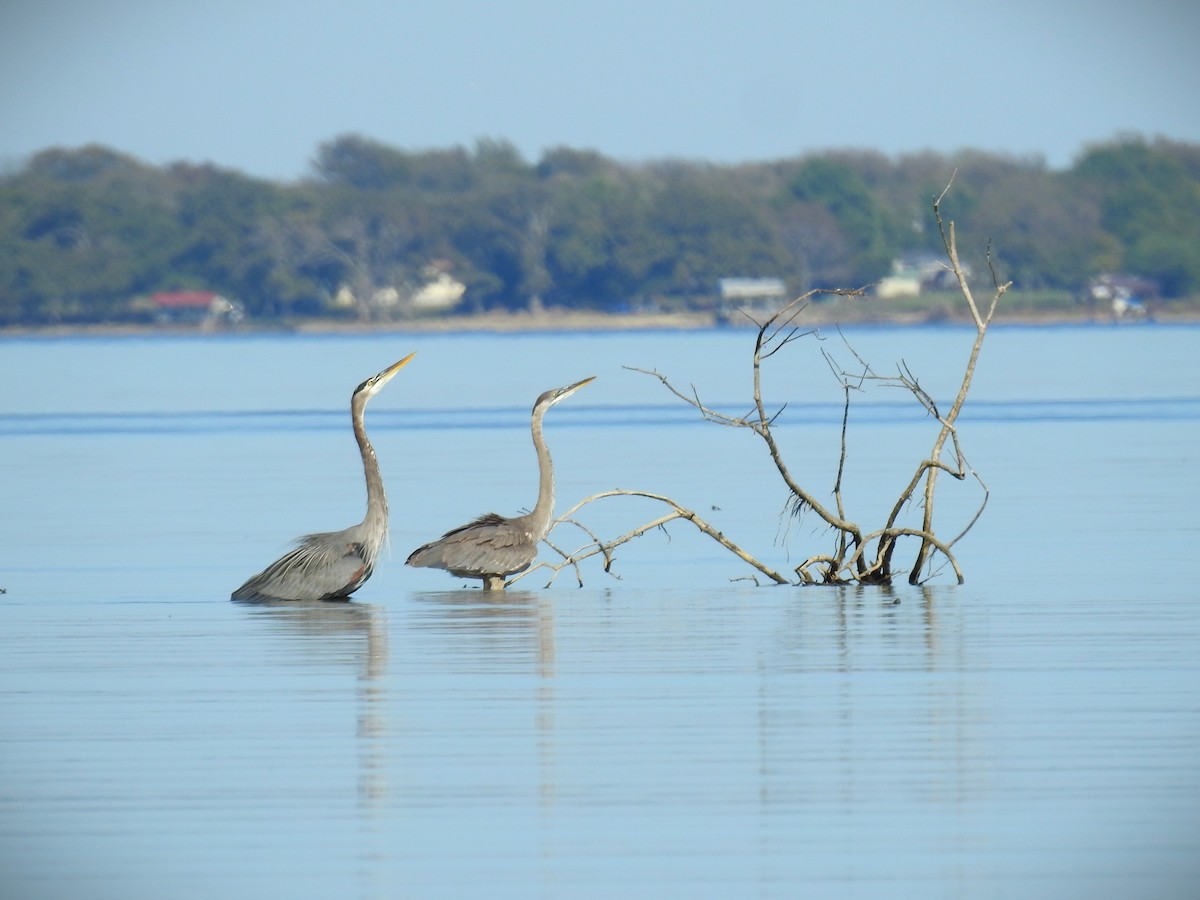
(494, 547)
(333, 564)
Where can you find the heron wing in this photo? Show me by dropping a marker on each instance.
(490, 545)
(320, 567)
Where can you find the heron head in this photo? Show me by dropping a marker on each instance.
(550, 397)
(375, 383)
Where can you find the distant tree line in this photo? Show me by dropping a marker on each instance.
(85, 233)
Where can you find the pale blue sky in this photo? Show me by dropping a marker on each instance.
(257, 86)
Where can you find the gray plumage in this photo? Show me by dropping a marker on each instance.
(333, 564)
(493, 547)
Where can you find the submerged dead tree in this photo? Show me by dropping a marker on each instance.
(857, 555)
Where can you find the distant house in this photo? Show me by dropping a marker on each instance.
(442, 293)
(752, 288)
(915, 274)
(752, 296)
(1125, 295)
(193, 307)
(902, 282)
(439, 293)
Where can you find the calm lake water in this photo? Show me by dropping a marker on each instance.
(674, 731)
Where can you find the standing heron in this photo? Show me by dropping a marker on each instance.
(494, 547)
(331, 565)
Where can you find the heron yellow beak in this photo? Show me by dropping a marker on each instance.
(395, 367)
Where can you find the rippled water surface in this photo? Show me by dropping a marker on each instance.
(674, 731)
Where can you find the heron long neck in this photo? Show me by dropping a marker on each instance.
(544, 510)
(377, 508)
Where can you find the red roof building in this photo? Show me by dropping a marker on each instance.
(199, 300)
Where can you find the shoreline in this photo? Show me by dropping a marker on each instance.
(568, 321)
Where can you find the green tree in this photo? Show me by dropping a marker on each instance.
(599, 244)
(86, 231)
(218, 213)
(1149, 196)
(1044, 234)
(362, 163)
(868, 231)
(709, 231)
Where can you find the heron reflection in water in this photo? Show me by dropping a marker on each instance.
(493, 547)
(332, 565)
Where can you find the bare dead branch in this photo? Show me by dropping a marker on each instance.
(567, 559)
(608, 560)
(978, 512)
(856, 557)
(948, 430)
(694, 401)
(842, 455)
(893, 533)
(677, 512)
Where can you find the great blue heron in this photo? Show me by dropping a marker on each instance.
(333, 564)
(494, 547)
